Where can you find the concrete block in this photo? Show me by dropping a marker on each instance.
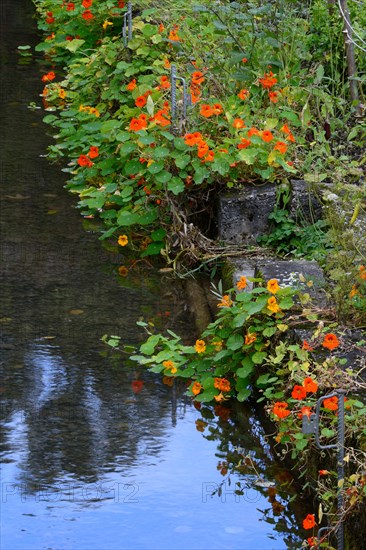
(243, 215)
(303, 274)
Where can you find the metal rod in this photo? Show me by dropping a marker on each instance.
(173, 96)
(124, 29)
(127, 25)
(340, 457)
(183, 80)
(318, 405)
(340, 467)
(129, 13)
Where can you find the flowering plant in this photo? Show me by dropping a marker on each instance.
(150, 168)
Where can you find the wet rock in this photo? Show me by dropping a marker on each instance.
(304, 206)
(303, 274)
(243, 215)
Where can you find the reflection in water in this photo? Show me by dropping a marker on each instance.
(93, 460)
(247, 467)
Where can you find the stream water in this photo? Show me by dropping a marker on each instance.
(92, 460)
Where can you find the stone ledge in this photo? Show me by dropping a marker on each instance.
(243, 214)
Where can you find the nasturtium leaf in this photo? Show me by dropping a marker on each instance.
(176, 185)
(235, 341)
(258, 357)
(248, 155)
(149, 30)
(132, 167)
(148, 347)
(243, 394)
(123, 136)
(152, 249)
(126, 218)
(163, 177)
(155, 167)
(160, 153)
(158, 234)
(127, 148)
(74, 44)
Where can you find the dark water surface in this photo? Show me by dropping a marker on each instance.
(88, 464)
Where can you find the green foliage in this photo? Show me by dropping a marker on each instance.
(288, 237)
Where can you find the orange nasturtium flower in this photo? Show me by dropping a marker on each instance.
(238, 123)
(48, 77)
(217, 109)
(87, 15)
(273, 286)
(93, 152)
(309, 522)
(206, 110)
(242, 283)
(50, 19)
(94, 111)
(243, 94)
(273, 97)
(268, 80)
(222, 384)
(330, 341)
(190, 140)
(160, 118)
(331, 403)
(272, 305)
(87, 3)
(323, 472)
(123, 240)
(164, 82)
(173, 36)
(83, 160)
(267, 136)
(210, 157)
(196, 388)
(61, 93)
(244, 143)
(170, 366)
(362, 272)
(250, 338)
(299, 392)
(280, 409)
(253, 132)
(202, 149)
(197, 78)
(307, 346)
(353, 292)
(131, 85)
(200, 346)
(281, 147)
(310, 385)
(225, 301)
(140, 101)
(305, 411)
(137, 124)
